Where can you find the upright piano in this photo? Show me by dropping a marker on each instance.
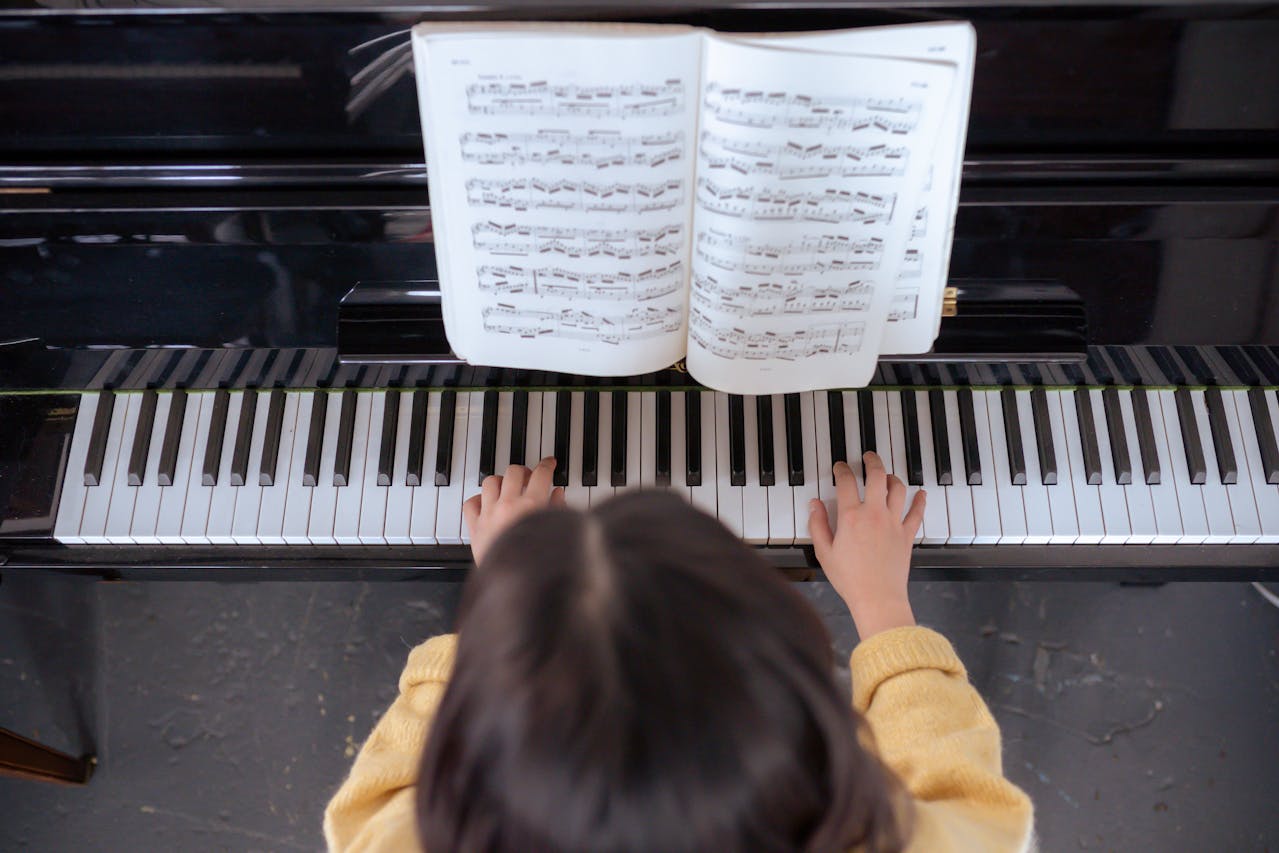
(221, 351)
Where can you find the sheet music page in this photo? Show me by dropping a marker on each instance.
(561, 171)
(914, 317)
(809, 168)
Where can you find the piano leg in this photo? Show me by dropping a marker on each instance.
(27, 759)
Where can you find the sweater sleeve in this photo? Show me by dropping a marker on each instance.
(375, 809)
(934, 731)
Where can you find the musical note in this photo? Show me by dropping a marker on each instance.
(535, 194)
(564, 283)
(816, 254)
(622, 244)
(775, 299)
(732, 342)
(600, 150)
(760, 109)
(919, 227)
(904, 305)
(912, 265)
(792, 160)
(540, 98)
(576, 324)
(829, 205)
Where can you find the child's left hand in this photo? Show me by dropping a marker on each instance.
(505, 498)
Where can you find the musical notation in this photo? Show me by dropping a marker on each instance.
(779, 298)
(912, 265)
(564, 283)
(622, 244)
(564, 100)
(575, 324)
(535, 194)
(904, 305)
(829, 205)
(759, 109)
(792, 160)
(598, 149)
(817, 254)
(736, 343)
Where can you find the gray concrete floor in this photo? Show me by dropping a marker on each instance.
(224, 715)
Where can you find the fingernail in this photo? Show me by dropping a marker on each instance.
(814, 506)
(547, 460)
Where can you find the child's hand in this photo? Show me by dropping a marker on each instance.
(503, 499)
(867, 559)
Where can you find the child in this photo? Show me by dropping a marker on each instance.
(634, 678)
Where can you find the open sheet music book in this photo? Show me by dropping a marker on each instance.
(775, 209)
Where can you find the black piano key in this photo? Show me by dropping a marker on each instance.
(1119, 453)
(866, 422)
(1221, 444)
(519, 428)
(390, 426)
(914, 453)
(1044, 445)
(216, 434)
(172, 438)
(663, 431)
(764, 415)
(488, 435)
(590, 438)
(444, 446)
(617, 455)
(417, 438)
(736, 440)
(794, 440)
(941, 436)
(969, 439)
(1012, 436)
(142, 438)
(1190, 437)
(1146, 437)
(1265, 429)
(243, 438)
(693, 438)
(346, 437)
(563, 423)
(315, 438)
(271, 438)
(1089, 445)
(838, 444)
(98, 438)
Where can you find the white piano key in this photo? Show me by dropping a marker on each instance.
(704, 496)
(221, 517)
(173, 499)
(546, 436)
(120, 513)
(1223, 527)
(853, 437)
(679, 466)
(425, 501)
(575, 494)
(373, 497)
(397, 523)
(824, 473)
(936, 515)
(648, 440)
(1190, 503)
(1244, 435)
(297, 497)
(783, 525)
(502, 447)
(346, 516)
(66, 527)
(987, 411)
(275, 496)
(1090, 526)
(1141, 508)
(754, 496)
(960, 497)
(533, 432)
(728, 498)
(988, 529)
(1041, 520)
(471, 473)
(805, 494)
(244, 524)
(1163, 495)
(195, 509)
(1113, 499)
(895, 458)
(324, 495)
(146, 506)
(603, 488)
(1242, 494)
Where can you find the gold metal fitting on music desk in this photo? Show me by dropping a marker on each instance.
(950, 302)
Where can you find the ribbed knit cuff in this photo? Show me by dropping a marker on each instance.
(430, 661)
(895, 651)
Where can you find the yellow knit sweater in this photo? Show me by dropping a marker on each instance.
(930, 726)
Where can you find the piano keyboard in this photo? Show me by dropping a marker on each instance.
(341, 467)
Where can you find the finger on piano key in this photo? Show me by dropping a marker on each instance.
(634, 438)
(532, 429)
(1041, 521)
(471, 480)
(679, 451)
(603, 489)
(703, 493)
(894, 436)
(868, 424)
(488, 437)
(1148, 524)
(169, 446)
(142, 434)
(1015, 453)
(1190, 503)
(96, 452)
(297, 498)
(1216, 495)
(1264, 432)
(853, 434)
(390, 437)
(247, 426)
(781, 496)
(1084, 505)
(66, 526)
(619, 424)
(345, 440)
(1116, 436)
(194, 509)
(942, 458)
(970, 441)
(936, 529)
(549, 434)
(754, 496)
(269, 468)
(1113, 498)
(504, 424)
(1265, 493)
(823, 475)
(728, 493)
(371, 510)
(244, 525)
(519, 445)
(423, 510)
(1044, 447)
(562, 447)
(764, 448)
(221, 519)
(988, 409)
(146, 507)
(576, 493)
(276, 493)
(319, 408)
(463, 460)
(962, 500)
(662, 424)
(1245, 506)
(324, 495)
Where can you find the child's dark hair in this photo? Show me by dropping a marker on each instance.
(634, 678)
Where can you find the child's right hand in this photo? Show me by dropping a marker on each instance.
(867, 557)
